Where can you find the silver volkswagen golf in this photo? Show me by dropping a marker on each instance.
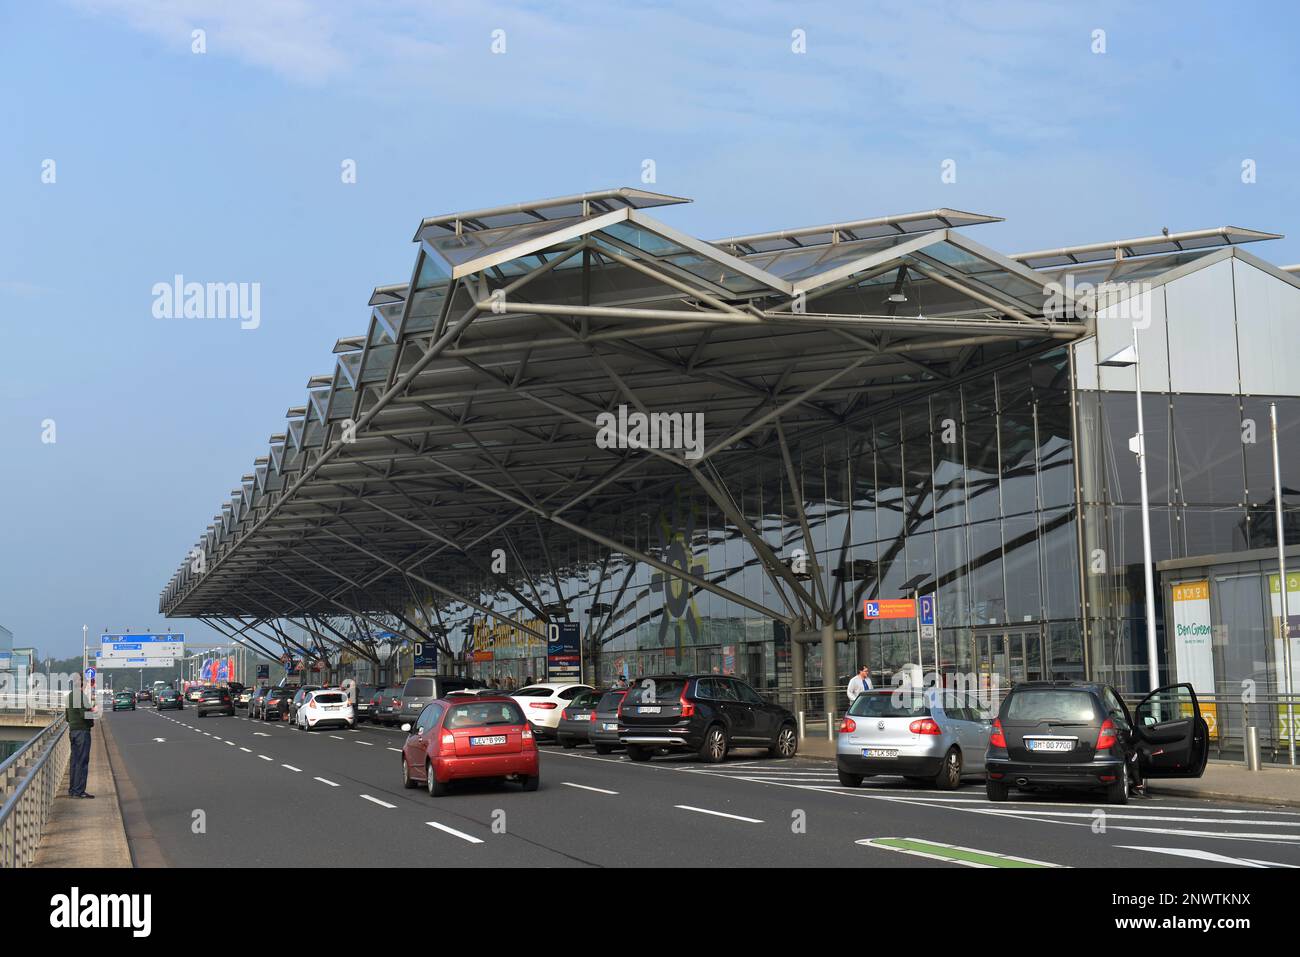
(925, 735)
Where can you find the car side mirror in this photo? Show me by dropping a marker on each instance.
(406, 728)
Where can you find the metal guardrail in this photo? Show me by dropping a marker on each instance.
(29, 781)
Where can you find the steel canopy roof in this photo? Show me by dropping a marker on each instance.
(464, 416)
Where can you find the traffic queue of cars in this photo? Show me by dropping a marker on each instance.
(1044, 734)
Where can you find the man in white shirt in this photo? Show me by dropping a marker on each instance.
(859, 683)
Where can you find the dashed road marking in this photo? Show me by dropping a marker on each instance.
(291, 767)
(587, 787)
(374, 800)
(455, 833)
(704, 810)
(324, 781)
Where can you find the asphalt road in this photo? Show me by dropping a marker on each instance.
(219, 791)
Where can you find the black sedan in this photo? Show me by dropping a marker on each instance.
(216, 701)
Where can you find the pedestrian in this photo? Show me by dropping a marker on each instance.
(79, 737)
(859, 683)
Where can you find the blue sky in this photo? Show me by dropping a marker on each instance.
(225, 167)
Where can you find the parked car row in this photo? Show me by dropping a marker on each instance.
(1046, 735)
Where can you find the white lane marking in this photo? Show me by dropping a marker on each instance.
(368, 744)
(291, 767)
(337, 737)
(265, 758)
(247, 750)
(586, 787)
(323, 781)
(703, 810)
(455, 833)
(1169, 819)
(1203, 856)
(398, 750)
(377, 801)
(260, 734)
(164, 740)
(231, 743)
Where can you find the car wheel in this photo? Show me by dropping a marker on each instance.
(436, 788)
(1117, 793)
(567, 743)
(603, 748)
(407, 781)
(949, 776)
(533, 782)
(850, 780)
(636, 753)
(995, 790)
(714, 748)
(786, 743)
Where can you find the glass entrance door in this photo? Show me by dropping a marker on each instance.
(1012, 654)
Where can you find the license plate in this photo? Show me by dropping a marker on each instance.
(1048, 744)
(880, 752)
(333, 707)
(611, 727)
(646, 709)
(487, 740)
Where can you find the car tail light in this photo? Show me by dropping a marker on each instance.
(544, 705)
(1106, 737)
(564, 715)
(688, 707)
(447, 743)
(527, 738)
(848, 725)
(997, 739)
(924, 726)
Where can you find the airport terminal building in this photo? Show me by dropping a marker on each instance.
(707, 454)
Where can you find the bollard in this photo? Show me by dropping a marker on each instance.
(803, 730)
(830, 725)
(1252, 748)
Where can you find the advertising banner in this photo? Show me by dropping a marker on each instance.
(1285, 731)
(563, 652)
(1193, 646)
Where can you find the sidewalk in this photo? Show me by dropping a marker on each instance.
(1222, 781)
(86, 833)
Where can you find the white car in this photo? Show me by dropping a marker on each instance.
(325, 708)
(542, 704)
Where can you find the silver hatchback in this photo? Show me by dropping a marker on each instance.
(926, 735)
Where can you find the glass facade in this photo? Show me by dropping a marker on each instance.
(1210, 480)
(968, 491)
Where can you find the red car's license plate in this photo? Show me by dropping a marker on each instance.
(487, 740)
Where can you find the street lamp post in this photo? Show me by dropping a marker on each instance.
(1282, 590)
(1126, 358)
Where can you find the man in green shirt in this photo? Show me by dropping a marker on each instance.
(79, 725)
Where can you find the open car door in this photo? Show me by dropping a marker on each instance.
(1172, 738)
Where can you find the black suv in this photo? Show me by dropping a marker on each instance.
(1073, 734)
(707, 714)
(215, 701)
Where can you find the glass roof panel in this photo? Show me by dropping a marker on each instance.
(378, 361)
(662, 248)
(475, 244)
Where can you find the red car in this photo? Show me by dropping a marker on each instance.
(459, 738)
